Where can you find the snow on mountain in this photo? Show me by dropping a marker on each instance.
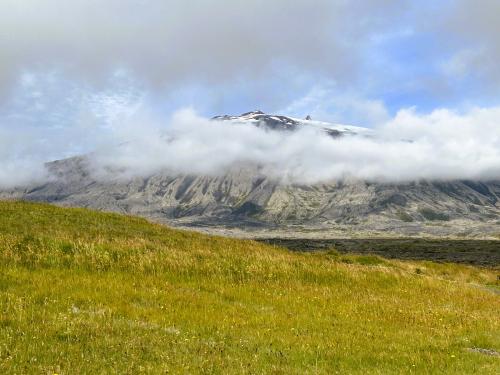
(278, 122)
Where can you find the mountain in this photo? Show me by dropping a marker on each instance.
(284, 123)
(245, 201)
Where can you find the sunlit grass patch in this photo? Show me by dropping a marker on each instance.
(88, 292)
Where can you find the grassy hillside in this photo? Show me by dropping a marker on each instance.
(87, 292)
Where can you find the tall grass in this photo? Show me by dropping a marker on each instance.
(88, 292)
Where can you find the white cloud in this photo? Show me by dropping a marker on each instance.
(441, 145)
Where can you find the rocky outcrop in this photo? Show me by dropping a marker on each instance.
(246, 198)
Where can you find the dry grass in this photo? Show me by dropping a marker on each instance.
(87, 292)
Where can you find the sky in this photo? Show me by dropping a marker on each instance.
(84, 75)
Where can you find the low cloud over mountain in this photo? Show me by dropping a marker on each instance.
(442, 145)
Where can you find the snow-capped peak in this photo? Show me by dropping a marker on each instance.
(278, 122)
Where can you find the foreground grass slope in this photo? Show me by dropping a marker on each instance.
(87, 292)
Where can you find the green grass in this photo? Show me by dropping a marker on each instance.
(88, 292)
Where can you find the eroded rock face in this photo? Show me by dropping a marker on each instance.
(244, 197)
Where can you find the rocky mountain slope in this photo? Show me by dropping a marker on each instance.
(244, 201)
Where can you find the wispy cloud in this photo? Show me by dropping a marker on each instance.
(328, 103)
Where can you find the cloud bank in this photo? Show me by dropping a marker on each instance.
(169, 42)
(418, 49)
(441, 145)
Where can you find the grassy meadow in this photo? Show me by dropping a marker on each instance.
(88, 292)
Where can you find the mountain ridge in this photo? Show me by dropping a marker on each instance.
(246, 202)
(280, 122)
